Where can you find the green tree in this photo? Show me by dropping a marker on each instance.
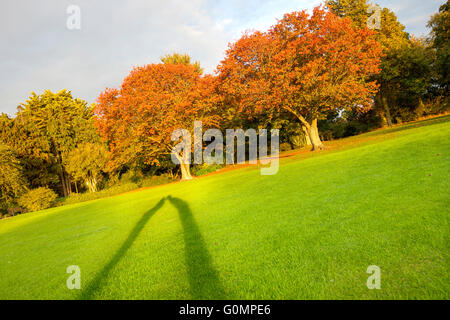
(12, 182)
(355, 9)
(178, 58)
(406, 79)
(394, 40)
(46, 128)
(440, 38)
(86, 163)
(31, 150)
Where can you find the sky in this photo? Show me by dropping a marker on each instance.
(38, 51)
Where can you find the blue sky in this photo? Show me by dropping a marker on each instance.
(38, 51)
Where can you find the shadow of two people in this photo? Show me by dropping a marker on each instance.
(203, 279)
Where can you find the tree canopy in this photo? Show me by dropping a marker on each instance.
(179, 58)
(305, 65)
(46, 128)
(405, 66)
(87, 162)
(12, 181)
(138, 119)
(440, 37)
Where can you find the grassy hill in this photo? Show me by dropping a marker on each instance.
(309, 232)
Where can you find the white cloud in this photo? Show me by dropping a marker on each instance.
(38, 52)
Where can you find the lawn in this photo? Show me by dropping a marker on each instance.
(309, 232)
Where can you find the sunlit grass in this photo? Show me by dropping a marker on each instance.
(309, 232)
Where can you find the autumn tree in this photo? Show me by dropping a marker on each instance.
(137, 120)
(305, 65)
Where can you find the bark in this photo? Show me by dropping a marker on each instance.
(186, 171)
(313, 133)
(185, 168)
(65, 181)
(92, 184)
(308, 140)
(63, 185)
(387, 112)
(68, 184)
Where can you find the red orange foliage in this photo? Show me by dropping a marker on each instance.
(304, 64)
(138, 119)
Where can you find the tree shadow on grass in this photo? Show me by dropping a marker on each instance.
(412, 125)
(96, 284)
(203, 278)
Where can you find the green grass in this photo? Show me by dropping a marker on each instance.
(309, 232)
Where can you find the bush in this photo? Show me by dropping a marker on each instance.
(297, 141)
(3, 208)
(38, 199)
(436, 106)
(348, 124)
(112, 191)
(156, 180)
(285, 146)
(131, 176)
(123, 185)
(205, 168)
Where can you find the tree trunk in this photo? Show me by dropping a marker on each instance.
(92, 184)
(185, 168)
(68, 184)
(313, 133)
(387, 111)
(63, 185)
(186, 171)
(308, 140)
(65, 181)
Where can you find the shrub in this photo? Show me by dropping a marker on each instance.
(112, 191)
(38, 199)
(297, 141)
(437, 106)
(285, 146)
(205, 169)
(156, 180)
(123, 185)
(131, 176)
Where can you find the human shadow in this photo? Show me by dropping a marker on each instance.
(97, 283)
(204, 280)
